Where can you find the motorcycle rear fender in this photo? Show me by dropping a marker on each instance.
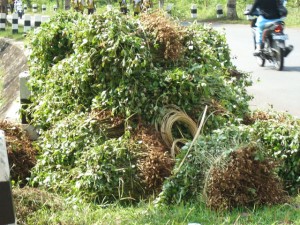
(280, 44)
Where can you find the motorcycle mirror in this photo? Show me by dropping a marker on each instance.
(246, 12)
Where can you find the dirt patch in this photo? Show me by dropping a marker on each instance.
(21, 154)
(13, 61)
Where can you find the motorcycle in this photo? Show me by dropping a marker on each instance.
(273, 48)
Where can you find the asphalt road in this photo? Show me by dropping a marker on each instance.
(279, 90)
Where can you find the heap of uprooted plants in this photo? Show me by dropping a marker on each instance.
(118, 105)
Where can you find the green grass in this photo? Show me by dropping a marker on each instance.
(46, 208)
(8, 33)
(148, 214)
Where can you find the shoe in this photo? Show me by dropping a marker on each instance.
(257, 50)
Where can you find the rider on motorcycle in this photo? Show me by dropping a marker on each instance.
(268, 12)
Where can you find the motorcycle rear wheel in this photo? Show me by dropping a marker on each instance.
(278, 57)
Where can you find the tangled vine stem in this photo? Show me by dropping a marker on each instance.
(174, 114)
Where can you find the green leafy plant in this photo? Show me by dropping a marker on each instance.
(111, 64)
(276, 133)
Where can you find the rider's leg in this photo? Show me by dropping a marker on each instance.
(260, 24)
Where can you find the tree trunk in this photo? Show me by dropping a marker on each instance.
(3, 6)
(231, 10)
(161, 4)
(67, 4)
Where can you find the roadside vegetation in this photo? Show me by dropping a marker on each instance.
(142, 121)
(206, 12)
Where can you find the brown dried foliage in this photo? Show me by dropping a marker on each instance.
(243, 181)
(21, 154)
(155, 163)
(113, 125)
(263, 116)
(166, 32)
(235, 73)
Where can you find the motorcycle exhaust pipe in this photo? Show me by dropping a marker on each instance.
(287, 50)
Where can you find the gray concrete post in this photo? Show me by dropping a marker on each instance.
(2, 21)
(219, 9)
(15, 23)
(194, 11)
(24, 96)
(7, 212)
(43, 8)
(45, 19)
(27, 23)
(34, 8)
(37, 20)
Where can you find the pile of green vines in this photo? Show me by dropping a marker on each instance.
(109, 62)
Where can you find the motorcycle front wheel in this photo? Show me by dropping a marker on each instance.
(278, 57)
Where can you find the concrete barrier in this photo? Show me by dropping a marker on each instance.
(7, 212)
(15, 23)
(2, 21)
(219, 10)
(34, 8)
(45, 19)
(43, 8)
(194, 11)
(24, 96)
(27, 23)
(37, 20)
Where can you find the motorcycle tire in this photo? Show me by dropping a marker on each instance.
(260, 60)
(278, 56)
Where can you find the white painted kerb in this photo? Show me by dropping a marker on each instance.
(4, 171)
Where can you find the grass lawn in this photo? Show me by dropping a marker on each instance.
(36, 206)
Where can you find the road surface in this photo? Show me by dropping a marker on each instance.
(279, 90)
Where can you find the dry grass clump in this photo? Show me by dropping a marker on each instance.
(155, 162)
(167, 33)
(265, 116)
(112, 125)
(243, 180)
(21, 154)
(29, 200)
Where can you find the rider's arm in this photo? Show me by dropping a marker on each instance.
(254, 7)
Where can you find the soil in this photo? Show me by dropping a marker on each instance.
(21, 154)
